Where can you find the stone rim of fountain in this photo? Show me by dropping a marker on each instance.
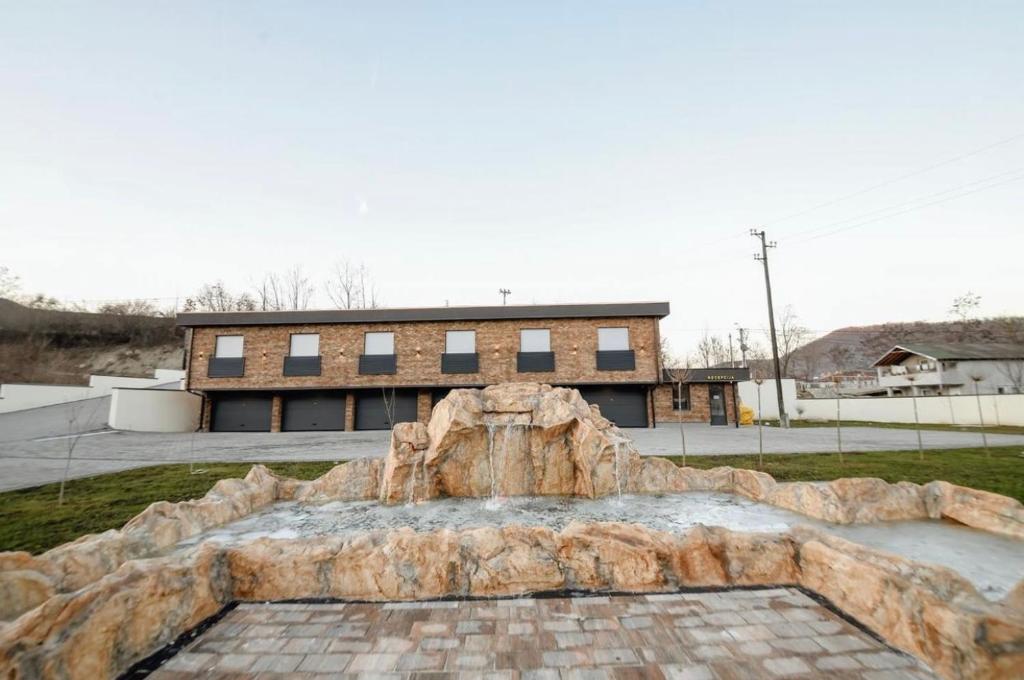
(63, 576)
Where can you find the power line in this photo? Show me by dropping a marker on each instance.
(898, 178)
(894, 206)
(918, 207)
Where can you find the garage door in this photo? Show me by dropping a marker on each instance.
(313, 411)
(626, 407)
(241, 412)
(372, 411)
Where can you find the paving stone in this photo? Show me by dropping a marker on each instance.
(681, 672)
(276, 663)
(797, 645)
(883, 660)
(722, 635)
(787, 666)
(839, 662)
(636, 622)
(362, 663)
(622, 656)
(757, 648)
(842, 643)
(324, 663)
(750, 633)
(191, 662)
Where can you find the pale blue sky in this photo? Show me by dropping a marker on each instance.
(568, 151)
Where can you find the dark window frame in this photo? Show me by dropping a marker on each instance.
(679, 400)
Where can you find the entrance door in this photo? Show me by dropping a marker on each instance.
(716, 395)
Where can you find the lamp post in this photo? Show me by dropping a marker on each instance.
(839, 422)
(760, 432)
(977, 378)
(917, 424)
(679, 403)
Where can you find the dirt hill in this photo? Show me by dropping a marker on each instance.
(55, 346)
(857, 347)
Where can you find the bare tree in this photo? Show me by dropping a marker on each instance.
(711, 350)
(666, 357)
(215, 297)
(351, 286)
(129, 308)
(1013, 371)
(79, 420)
(808, 361)
(791, 336)
(965, 307)
(9, 285)
(277, 292)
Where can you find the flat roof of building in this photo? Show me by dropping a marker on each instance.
(384, 315)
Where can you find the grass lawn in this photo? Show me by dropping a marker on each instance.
(1002, 472)
(990, 429)
(30, 519)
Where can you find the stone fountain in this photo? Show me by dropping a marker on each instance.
(92, 608)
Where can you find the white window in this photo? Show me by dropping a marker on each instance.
(379, 343)
(460, 342)
(228, 347)
(305, 345)
(610, 339)
(535, 340)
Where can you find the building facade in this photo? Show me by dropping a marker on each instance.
(368, 369)
(951, 369)
(699, 395)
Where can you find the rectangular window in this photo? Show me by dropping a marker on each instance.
(535, 340)
(304, 345)
(460, 342)
(681, 397)
(228, 347)
(379, 343)
(612, 339)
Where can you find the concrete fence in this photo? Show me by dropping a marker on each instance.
(18, 397)
(996, 409)
(149, 410)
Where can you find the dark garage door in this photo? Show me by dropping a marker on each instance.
(241, 412)
(371, 413)
(313, 411)
(626, 407)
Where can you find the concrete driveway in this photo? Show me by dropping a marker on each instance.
(33, 454)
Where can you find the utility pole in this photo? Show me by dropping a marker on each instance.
(732, 363)
(763, 259)
(504, 293)
(743, 346)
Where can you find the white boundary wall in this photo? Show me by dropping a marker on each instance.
(18, 397)
(747, 392)
(143, 410)
(996, 409)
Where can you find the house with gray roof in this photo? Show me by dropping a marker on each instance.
(938, 368)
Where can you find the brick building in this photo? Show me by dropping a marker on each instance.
(370, 368)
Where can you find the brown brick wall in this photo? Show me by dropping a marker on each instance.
(700, 406)
(419, 346)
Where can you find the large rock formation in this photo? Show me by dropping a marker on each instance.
(100, 630)
(508, 440)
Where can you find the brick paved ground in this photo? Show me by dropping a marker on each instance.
(712, 635)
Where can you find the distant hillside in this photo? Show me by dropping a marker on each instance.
(43, 345)
(857, 347)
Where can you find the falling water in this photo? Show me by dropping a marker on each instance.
(617, 443)
(491, 427)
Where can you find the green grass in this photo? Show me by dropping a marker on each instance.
(31, 520)
(1002, 471)
(989, 429)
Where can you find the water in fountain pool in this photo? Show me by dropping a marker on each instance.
(935, 542)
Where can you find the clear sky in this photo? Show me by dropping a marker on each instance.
(569, 151)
